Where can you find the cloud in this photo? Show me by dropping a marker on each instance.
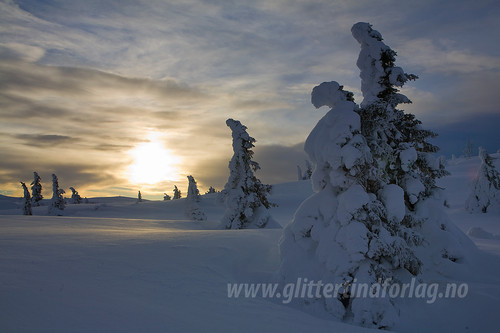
(87, 83)
(445, 57)
(45, 140)
(53, 115)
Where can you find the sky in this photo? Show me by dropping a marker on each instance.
(119, 96)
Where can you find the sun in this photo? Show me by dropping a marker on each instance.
(153, 163)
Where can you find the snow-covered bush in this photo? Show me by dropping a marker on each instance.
(374, 216)
(26, 200)
(485, 194)
(193, 209)
(166, 197)
(75, 197)
(36, 190)
(57, 204)
(245, 196)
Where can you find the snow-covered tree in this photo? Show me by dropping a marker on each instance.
(485, 194)
(343, 232)
(468, 149)
(374, 216)
(177, 193)
(245, 196)
(193, 194)
(139, 196)
(166, 197)
(193, 209)
(211, 190)
(26, 200)
(75, 197)
(306, 174)
(36, 190)
(57, 202)
(299, 173)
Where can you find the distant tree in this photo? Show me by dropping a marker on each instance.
(211, 190)
(75, 197)
(26, 200)
(468, 149)
(193, 209)
(139, 197)
(177, 193)
(299, 173)
(57, 202)
(245, 196)
(36, 190)
(166, 197)
(307, 174)
(485, 194)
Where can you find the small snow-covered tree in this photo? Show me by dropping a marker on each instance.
(57, 202)
(139, 196)
(307, 174)
(193, 209)
(211, 190)
(36, 189)
(299, 173)
(468, 149)
(26, 200)
(485, 194)
(75, 197)
(245, 196)
(309, 170)
(166, 197)
(177, 193)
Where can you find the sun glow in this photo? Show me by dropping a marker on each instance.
(153, 163)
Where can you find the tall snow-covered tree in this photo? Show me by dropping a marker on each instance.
(75, 197)
(485, 194)
(26, 200)
(344, 233)
(57, 202)
(193, 194)
(193, 209)
(245, 196)
(373, 217)
(177, 193)
(36, 190)
(402, 151)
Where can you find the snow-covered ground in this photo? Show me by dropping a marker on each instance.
(115, 265)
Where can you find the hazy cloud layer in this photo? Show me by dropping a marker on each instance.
(82, 83)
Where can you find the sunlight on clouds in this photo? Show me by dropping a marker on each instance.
(153, 163)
